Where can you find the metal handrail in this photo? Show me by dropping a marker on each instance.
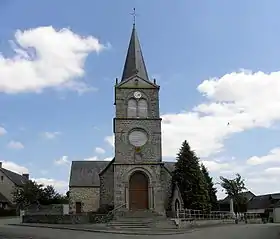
(115, 209)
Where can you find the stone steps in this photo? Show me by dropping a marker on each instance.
(134, 220)
(128, 224)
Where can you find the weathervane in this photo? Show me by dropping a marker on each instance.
(134, 15)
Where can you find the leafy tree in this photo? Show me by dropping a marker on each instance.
(50, 196)
(234, 189)
(210, 188)
(34, 193)
(30, 193)
(190, 180)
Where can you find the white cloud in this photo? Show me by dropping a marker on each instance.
(215, 166)
(95, 158)
(46, 58)
(15, 145)
(110, 140)
(2, 131)
(230, 99)
(51, 135)
(99, 150)
(14, 167)
(62, 161)
(60, 185)
(274, 171)
(272, 157)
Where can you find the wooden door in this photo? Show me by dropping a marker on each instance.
(78, 207)
(138, 191)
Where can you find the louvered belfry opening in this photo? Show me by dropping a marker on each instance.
(138, 191)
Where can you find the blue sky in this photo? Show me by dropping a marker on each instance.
(47, 120)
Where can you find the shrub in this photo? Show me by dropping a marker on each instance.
(105, 209)
(8, 212)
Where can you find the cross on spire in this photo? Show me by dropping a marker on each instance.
(134, 16)
(134, 63)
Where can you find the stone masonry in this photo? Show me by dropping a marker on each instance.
(88, 196)
(107, 186)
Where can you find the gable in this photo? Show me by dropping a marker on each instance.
(86, 173)
(248, 195)
(17, 179)
(136, 82)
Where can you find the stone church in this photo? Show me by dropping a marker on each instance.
(136, 178)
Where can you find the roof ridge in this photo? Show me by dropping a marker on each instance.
(11, 174)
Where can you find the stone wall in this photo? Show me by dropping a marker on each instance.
(56, 219)
(125, 152)
(151, 95)
(88, 196)
(166, 180)
(107, 186)
(54, 209)
(6, 187)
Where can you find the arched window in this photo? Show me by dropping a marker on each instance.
(142, 108)
(131, 108)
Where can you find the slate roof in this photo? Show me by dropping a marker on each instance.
(86, 173)
(134, 63)
(170, 166)
(264, 201)
(275, 196)
(259, 202)
(249, 195)
(3, 198)
(17, 179)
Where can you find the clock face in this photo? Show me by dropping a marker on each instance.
(137, 94)
(138, 138)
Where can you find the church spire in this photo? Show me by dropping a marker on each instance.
(134, 63)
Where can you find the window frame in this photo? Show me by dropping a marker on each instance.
(137, 115)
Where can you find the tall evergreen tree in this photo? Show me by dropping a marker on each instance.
(210, 187)
(190, 180)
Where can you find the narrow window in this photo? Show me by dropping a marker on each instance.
(142, 108)
(2, 178)
(131, 108)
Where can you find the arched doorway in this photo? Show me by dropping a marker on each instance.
(138, 191)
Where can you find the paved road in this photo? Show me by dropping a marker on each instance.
(264, 231)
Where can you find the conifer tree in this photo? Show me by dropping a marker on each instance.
(190, 180)
(210, 188)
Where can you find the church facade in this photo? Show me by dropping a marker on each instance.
(136, 178)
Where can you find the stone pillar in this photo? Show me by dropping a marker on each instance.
(231, 207)
(127, 197)
(151, 197)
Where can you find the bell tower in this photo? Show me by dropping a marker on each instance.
(137, 125)
(137, 130)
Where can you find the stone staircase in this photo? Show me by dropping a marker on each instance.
(136, 220)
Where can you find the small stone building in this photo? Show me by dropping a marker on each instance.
(136, 178)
